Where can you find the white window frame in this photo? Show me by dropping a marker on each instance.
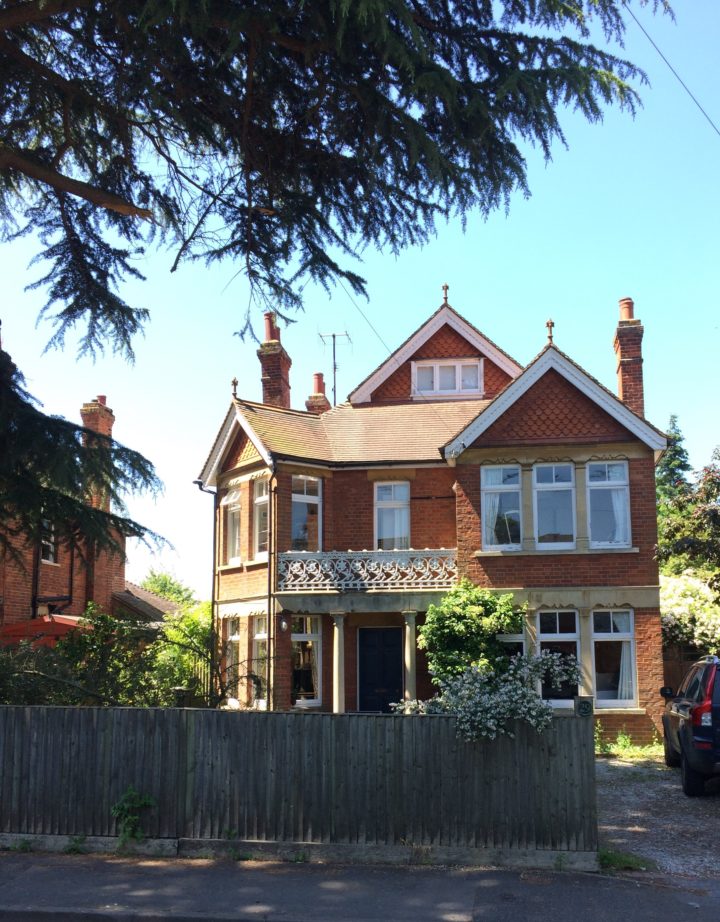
(390, 504)
(231, 522)
(543, 487)
(316, 637)
(258, 502)
(308, 499)
(622, 636)
(458, 364)
(48, 543)
(609, 485)
(500, 488)
(573, 637)
(260, 635)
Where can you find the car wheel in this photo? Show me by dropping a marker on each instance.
(672, 758)
(693, 783)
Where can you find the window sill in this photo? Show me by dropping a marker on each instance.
(50, 563)
(243, 565)
(543, 552)
(618, 709)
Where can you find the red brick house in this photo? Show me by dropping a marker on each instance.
(336, 527)
(44, 594)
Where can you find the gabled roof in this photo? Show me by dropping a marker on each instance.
(552, 358)
(444, 315)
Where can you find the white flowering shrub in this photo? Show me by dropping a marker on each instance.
(486, 702)
(689, 611)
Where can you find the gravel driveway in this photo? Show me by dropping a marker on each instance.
(642, 810)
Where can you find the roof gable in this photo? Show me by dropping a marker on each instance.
(233, 423)
(552, 360)
(445, 316)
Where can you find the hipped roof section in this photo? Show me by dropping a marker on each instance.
(345, 435)
(445, 315)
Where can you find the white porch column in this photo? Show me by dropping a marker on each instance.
(410, 655)
(338, 661)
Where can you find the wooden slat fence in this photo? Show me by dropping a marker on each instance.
(297, 777)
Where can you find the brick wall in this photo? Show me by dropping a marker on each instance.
(563, 568)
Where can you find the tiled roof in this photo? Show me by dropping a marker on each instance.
(145, 604)
(362, 435)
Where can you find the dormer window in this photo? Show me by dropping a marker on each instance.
(447, 378)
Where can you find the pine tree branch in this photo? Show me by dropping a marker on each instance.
(17, 160)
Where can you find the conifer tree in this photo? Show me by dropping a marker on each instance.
(671, 473)
(284, 137)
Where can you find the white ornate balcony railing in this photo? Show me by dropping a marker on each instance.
(303, 571)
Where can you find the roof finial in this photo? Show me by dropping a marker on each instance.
(445, 291)
(550, 324)
(234, 383)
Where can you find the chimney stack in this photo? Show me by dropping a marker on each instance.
(628, 350)
(317, 402)
(275, 364)
(98, 417)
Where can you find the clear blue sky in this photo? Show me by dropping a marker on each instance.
(631, 208)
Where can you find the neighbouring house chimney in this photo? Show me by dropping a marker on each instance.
(317, 402)
(628, 350)
(98, 417)
(275, 364)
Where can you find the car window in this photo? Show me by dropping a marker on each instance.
(685, 684)
(707, 674)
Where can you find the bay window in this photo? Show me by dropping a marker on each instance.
(554, 504)
(392, 515)
(501, 506)
(608, 504)
(260, 517)
(258, 673)
(230, 505)
(306, 513)
(558, 633)
(613, 658)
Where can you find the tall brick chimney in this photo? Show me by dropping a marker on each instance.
(98, 417)
(628, 350)
(317, 402)
(275, 364)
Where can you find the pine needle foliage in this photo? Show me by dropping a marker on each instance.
(50, 470)
(280, 136)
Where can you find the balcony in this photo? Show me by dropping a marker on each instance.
(342, 571)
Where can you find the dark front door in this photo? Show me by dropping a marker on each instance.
(380, 667)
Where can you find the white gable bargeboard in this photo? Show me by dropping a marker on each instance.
(445, 316)
(552, 358)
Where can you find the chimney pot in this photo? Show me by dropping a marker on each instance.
(318, 383)
(269, 326)
(102, 400)
(627, 309)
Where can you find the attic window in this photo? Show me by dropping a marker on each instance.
(456, 378)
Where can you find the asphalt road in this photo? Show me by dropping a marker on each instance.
(91, 887)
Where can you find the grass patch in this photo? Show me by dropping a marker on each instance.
(611, 860)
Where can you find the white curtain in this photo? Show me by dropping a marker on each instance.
(625, 680)
(491, 503)
(620, 514)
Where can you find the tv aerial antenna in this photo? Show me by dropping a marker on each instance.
(334, 337)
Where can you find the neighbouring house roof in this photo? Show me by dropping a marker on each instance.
(552, 358)
(444, 315)
(143, 604)
(44, 631)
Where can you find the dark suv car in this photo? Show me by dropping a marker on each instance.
(691, 725)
